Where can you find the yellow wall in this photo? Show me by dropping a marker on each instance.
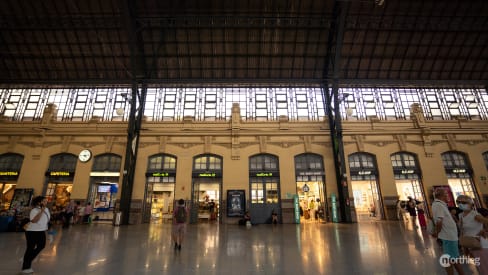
(235, 143)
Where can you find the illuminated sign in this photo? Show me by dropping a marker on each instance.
(364, 172)
(207, 175)
(9, 173)
(458, 171)
(264, 174)
(160, 174)
(407, 171)
(60, 174)
(317, 173)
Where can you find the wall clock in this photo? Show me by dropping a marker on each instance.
(85, 155)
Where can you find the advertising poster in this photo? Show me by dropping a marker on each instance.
(21, 198)
(236, 203)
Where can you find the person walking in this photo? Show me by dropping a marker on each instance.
(68, 214)
(412, 210)
(35, 233)
(446, 230)
(180, 215)
(88, 212)
(471, 224)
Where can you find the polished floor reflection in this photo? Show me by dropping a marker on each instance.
(313, 248)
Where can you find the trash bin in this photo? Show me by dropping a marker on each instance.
(117, 218)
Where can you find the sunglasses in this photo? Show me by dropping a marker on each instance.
(462, 202)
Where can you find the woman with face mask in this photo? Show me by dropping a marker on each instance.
(471, 223)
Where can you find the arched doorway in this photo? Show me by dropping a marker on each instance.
(160, 188)
(104, 187)
(206, 198)
(310, 182)
(59, 179)
(10, 165)
(459, 175)
(408, 180)
(368, 202)
(264, 186)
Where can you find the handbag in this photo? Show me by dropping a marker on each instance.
(469, 242)
(24, 223)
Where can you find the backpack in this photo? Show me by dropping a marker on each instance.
(180, 215)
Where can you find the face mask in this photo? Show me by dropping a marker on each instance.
(463, 206)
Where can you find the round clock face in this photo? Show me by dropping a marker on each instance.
(85, 155)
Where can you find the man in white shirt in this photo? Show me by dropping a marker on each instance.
(446, 230)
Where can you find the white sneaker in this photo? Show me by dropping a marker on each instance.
(28, 271)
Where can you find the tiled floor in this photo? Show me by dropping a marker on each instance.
(360, 248)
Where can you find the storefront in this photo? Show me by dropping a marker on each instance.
(10, 165)
(368, 202)
(264, 183)
(104, 185)
(408, 179)
(159, 196)
(310, 182)
(459, 176)
(206, 189)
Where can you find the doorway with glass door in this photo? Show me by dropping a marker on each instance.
(206, 197)
(368, 202)
(206, 193)
(310, 184)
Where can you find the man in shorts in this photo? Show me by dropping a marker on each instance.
(446, 230)
(179, 223)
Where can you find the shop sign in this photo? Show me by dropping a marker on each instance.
(407, 171)
(206, 175)
(9, 174)
(60, 174)
(308, 173)
(160, 174)
(458, 171)
(364, 172)
(264, 174)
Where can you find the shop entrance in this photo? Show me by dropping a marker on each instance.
(459, 176)
(311, 195)
(206, 200)
(160, 189)
(161, 202)
(366, 200)
(206, 193)
(310, 180)
(59, 193)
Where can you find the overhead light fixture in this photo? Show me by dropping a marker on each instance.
(119, 111)
(454, 105)
(379, 2)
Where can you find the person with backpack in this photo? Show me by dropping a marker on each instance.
(180, 215)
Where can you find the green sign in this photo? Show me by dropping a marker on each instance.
(264, 174)
(296, 206)
(335, 218)
(207, 175)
